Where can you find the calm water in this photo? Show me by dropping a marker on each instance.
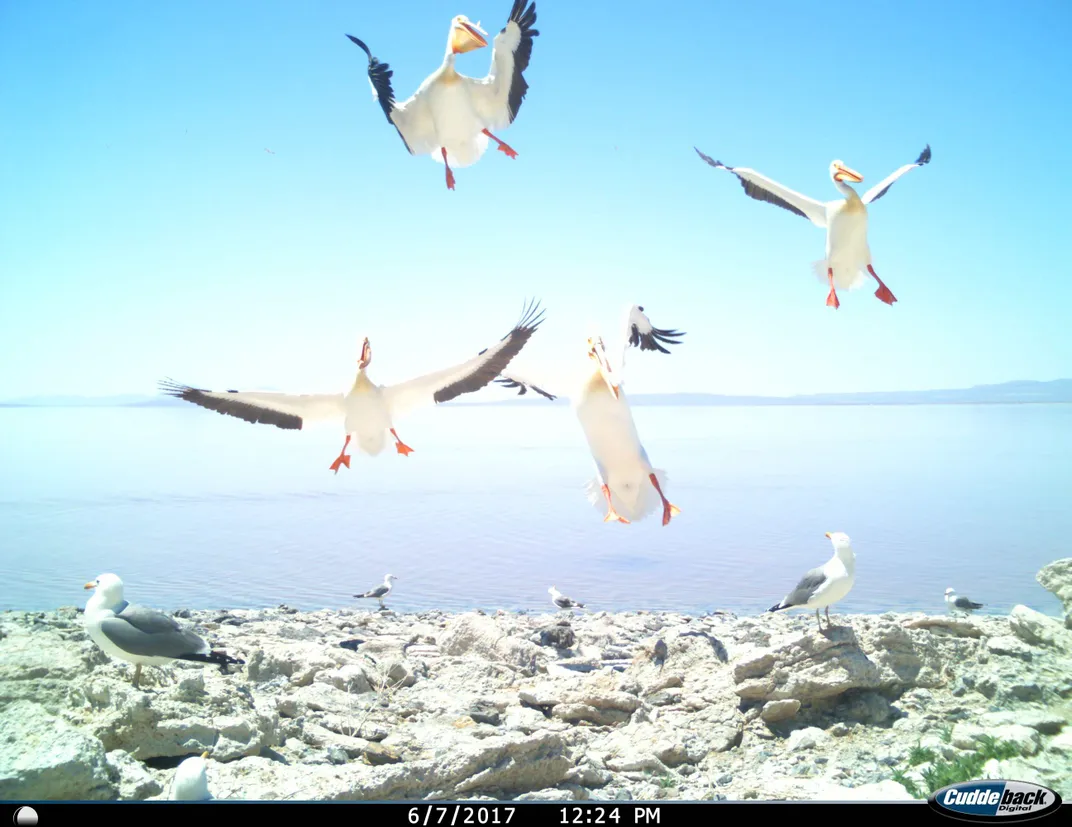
(194, 509)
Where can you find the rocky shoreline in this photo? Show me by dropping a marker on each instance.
(373, 705)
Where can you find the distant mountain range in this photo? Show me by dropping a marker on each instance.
(1017, 392)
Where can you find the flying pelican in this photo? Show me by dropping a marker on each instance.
(825, 585)
(845, 220)
(960, 604)
(451, 116)
(368, 410)
(626, 480)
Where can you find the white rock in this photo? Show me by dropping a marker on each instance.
(807, 738)
(42, 757)
(1034, 627)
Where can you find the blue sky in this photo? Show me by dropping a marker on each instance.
(144, 230)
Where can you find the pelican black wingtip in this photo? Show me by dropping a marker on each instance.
(362, 45)
(924, 156)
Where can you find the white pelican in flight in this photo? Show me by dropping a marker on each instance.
(451, 116)
(845, 220)
(368, 410)
(628, 484)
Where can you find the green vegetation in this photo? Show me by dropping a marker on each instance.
(942, 773)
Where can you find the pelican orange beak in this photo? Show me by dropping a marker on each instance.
(828, 535)
(845, 172)
(90, 586)
(465, 37)
(366, 354)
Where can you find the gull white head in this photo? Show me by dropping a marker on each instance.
(841, 542)
(191, 780)
(109, 590)
(949, 592)
(839, 173)
(553, 590)
(466, 36)
(598, 353)
(389, 579)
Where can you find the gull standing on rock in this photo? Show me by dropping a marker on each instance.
(826, 585)
(142, 636)
(381, 591)
(961, 604)
(563, 602)
(191, 780)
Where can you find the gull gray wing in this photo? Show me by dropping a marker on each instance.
(379, 591)
(810, 585)
(142, 631)
(965, 603)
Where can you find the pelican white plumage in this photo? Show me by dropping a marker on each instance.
(845, 220)
(451, 116)
(626, 481)
(368, 411)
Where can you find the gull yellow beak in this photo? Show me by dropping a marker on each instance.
(851, 174)
(828, 535)
(465, 37)
(204, 755)
(90, 586)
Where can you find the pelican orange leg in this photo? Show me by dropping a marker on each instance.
(450, 175)
(612, 515)
(503, 147)
(883, 291)
(831, 298)
(402, 447)
(343, 458)
(669, 509)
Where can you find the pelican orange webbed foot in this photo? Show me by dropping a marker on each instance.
(669, 509)
(401, 447)
(883, 291)
(831, 297)
(450, 175)
(612, 515)
(343, 458)
(503, 147)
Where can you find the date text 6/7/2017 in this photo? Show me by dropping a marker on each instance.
(431, 815)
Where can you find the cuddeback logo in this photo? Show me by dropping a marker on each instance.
(995, 800)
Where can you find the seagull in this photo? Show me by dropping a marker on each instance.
(266, 149)
(368, 410)
(450, 116)
(845, 220)
(191, 780)
(626, 481)
(381, 591)
(140, 635)
(563, 602)
(825, 585)
(962, 604)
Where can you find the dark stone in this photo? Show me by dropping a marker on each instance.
(485, 713)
